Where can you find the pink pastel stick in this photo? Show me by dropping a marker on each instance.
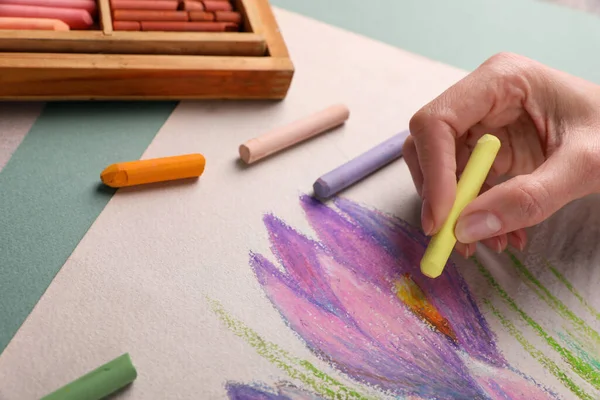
(76, 19)
(296, 132)
(87, 5)
(144, 4)
(37, 24)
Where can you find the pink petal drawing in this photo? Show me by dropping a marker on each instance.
(357, 299)
(384, 320)
(298, 255)
(504, 383)
(364, 343)
(399, 248)
(240, 391)
(259, 391)
(329, 336)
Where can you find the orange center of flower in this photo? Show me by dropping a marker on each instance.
(411, 294)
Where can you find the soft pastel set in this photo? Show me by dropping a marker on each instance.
(175, 15)
(141, 49)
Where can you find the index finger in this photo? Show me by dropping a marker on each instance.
(435, 128)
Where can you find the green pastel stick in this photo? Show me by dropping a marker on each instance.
(98, 383)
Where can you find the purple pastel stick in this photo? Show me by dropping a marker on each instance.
(356, 169)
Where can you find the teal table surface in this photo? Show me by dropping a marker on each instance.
(463, 33)
(48, 192)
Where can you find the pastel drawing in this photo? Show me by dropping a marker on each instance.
(259, 391)
(357, 299)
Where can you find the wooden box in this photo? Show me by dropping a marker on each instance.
(105, 64)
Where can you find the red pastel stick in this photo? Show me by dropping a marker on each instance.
(190, 5)
(127, 26)
(228, 16)
(143, 4)
(216, 5)
(87, 5)
(76, 19)
(167, 26)
(149, 15)
(201, 16)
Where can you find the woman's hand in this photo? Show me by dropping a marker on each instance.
(549, 126)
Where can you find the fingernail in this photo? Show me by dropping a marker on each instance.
(516, 240)
(498, 246)
(426, 218)
(477, 226)
(523, 238)
(521, 244)
(472, 249)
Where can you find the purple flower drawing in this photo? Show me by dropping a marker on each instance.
(356, 297)
(285, 391)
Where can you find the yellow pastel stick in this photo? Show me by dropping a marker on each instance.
(153, 170)
(442, 243)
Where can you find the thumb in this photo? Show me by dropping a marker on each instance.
(520, 202)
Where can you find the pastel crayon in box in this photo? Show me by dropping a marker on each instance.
(142, 50)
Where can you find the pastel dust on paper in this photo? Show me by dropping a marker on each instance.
(356, 298)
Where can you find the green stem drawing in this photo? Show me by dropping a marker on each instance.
(537, 354)
(296, 368)
(554, 302)
(578, 348)
(587, 341)
(581, 368)
(561, 278)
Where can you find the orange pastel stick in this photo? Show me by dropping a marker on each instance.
(201, 16)
(127, 26)
(190, 5)
(166, 26)
(149, 15)
(75, 18)
(153, 170)
(215, 5)
(228, 16)
(38, 24)
(143, 4)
